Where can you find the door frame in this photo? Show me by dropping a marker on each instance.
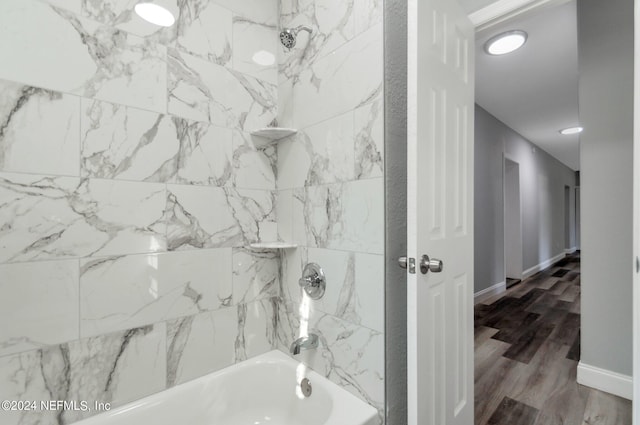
(506, 158)
(636, 217)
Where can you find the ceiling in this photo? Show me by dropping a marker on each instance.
(534, 90)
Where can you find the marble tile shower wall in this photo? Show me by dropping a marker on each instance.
(129, 192)
(330, 189)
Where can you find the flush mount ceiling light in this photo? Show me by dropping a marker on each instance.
(505, 42)
(571, 130)
(155, 14)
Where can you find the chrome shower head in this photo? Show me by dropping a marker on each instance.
(288, 36)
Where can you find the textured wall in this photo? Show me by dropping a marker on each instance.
(330, 185)
(542, 182)
(605, 40)
(129, 191)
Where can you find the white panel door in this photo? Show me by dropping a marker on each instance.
(440, 213)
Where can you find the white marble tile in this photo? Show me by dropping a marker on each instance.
(206, 154)
(201, 217)
(120, 142)
(348, 78)
(366, 305)
(121, 15)
(257, 325)
(285, 102)
(115, 368)
(74, 6)
(62, 217)
(368, 13)
(38, 304)
(51, 146)
(350, 355)
(200, 344)
(204, 91)
(369, 140)
(347, 216)
(322, 153)
(264, 11)
(99, 62)
(255, 49)
(204, 29)
(284, 215)
(119, 293)
(253, 167)
(208, 217)
(333, 25)
(256, 275)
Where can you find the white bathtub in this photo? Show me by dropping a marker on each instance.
(262, 390)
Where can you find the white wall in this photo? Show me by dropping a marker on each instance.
(605, 40)
(542, 182)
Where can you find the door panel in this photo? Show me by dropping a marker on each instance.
(439, 213)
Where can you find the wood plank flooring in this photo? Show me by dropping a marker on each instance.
(527, 348)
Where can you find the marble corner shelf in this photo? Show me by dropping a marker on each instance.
(272, 134)
(273, 245)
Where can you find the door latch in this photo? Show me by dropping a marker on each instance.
(408, 263)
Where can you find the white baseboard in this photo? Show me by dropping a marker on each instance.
(605, 380)
(570, 250)
(535, 269)
(489, 292)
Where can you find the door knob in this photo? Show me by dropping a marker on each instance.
(402, 262)
(430, 265)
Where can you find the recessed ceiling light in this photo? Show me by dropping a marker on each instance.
(155, 14)
(506, 42)
(571, 130)
(264, 58)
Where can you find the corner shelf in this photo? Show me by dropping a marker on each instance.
(273, 245)
(270, 135)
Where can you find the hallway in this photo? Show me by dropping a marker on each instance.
(527, 348)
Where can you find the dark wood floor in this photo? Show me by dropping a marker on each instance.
(527, 348)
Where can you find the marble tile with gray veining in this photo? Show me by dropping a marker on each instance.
(120, 14)
(38, 304)
(369, 140)
(204, 91)
(255, 49)
(200, 344)
(125, 292)
(333, 25)
(254, 167)
(350, 77)
(347, 216)
(208, 217)
(320, 154)
(264, 11)
(351, 356)
(58, 217)
(256, 275)
(99, 61)
(368, 13)
(51, 146)
(356, 292)
(120, 142)
(204, 29)
(115, 368)
(207, 154)
(257, 328)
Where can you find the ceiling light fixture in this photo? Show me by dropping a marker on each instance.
(571, 130)
(155, 14)
(505, 42)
